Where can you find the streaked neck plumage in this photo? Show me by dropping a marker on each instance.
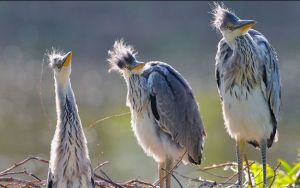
(242, 67)
(69, 140)
(64, 93)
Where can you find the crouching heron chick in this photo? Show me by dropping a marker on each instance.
(70, 165)
(164, 114)
(248, 81)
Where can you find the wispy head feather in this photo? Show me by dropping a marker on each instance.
(54, 55)
(120, 55)
(219, 12)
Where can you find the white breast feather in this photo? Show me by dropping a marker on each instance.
(246, 119)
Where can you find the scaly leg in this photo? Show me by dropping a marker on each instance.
(161, 180)
(263, 148)
(168, 168)
(239, 153)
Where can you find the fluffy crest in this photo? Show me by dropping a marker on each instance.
(219, 12)
(53, 56)
(120, 55)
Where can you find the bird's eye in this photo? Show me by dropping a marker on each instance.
(59, 66)
(127, 67)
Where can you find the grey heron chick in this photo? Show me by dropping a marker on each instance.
(164, 114)
(70, 165)
(248, 81)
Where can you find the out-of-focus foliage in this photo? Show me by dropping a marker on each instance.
(283, 176)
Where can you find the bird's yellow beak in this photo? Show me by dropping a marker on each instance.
(245, 25)
(68, 59)
(139, 67)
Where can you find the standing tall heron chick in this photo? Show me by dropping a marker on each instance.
(70, 165)
(164, 114)
(249, 84)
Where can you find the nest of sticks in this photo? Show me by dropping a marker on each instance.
(18, 175)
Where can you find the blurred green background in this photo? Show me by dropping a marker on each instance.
(178, 33)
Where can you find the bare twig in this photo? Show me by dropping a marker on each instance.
(106, 118)
(213, 174)
(248, 171)
(172, 169)
(19, 181)
(22, 163)
(105, 175)
(173, 177)
(136, 181)
(275, 174)
(231, 177)
(108, 181)
(100, 165)
(214, 166)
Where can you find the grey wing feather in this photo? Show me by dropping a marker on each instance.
(270, 71)
(178, 111)
(270, 77)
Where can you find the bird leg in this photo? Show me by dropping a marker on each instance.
(239, 153)
(161, 180)
(168, 169)
(263, 148)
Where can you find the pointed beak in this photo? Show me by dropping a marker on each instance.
(245, 25)
(138, 66)
(68, 59)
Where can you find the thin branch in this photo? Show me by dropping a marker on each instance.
(275, 174)
(213, 174)
(139, 182)
(100, 165)
(104, 184)
(105, 175)
(214, 166)
(106, 118)
(248, 171)
(231, 177)
(19, 181)
(172, 169)
(208, 183)
(108, 181)
(22, 163)
(174, 177)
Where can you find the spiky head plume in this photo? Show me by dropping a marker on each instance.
(54, 57)
(220, 13)
(121, 56)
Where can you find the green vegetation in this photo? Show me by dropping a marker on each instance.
(283, 175)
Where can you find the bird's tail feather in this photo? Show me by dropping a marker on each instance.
(120, 55)
(196, 156)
